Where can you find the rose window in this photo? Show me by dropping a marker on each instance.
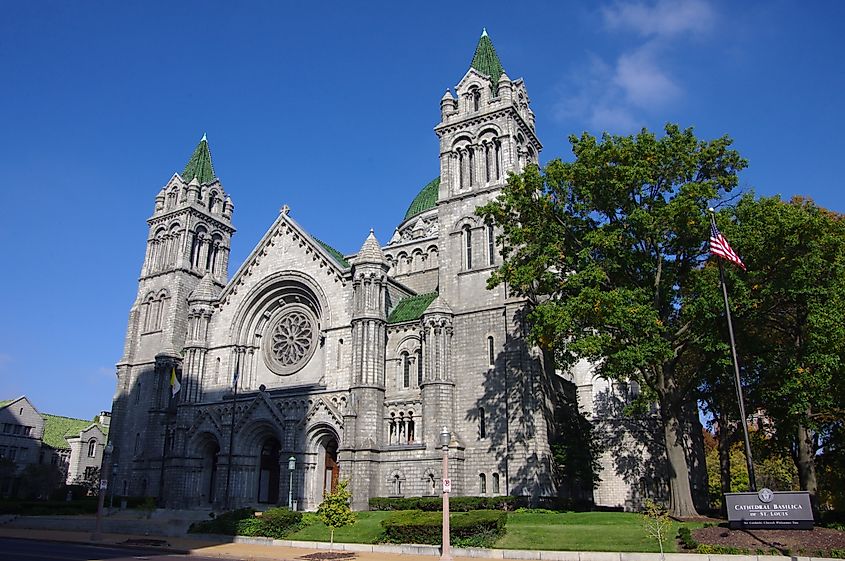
(291, 341)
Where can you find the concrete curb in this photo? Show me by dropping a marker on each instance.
(520, 554)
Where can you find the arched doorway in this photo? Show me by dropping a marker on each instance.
(332, 468)
(210, 455)
(268, 472)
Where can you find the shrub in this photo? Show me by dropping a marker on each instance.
(435, 504)
(275, 523)
(278, 522)
(478, 528)
(87, 505)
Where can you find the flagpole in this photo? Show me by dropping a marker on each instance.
(232, 427)
(752, 480)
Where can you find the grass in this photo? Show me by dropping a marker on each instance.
(563, 531)
(581, 531)
(366, 529)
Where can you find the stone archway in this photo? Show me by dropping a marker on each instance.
(268, 471)
(210, 456)
(324, 470)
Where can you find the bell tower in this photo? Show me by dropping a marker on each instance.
(486, 131)
(189, 237)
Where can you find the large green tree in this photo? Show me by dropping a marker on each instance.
(788, 309)
(603, 249)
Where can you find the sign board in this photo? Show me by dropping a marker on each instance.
(104, 484)
(767, 509)
(447, 485)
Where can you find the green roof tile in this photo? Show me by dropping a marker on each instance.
(199, 165)
(338, 256)
(56, 428)
(411, 308)
(425, 199)
(5, 402)
(485, 59)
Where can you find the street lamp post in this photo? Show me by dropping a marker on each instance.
(445, 438)
(112, 486)
(291, 467)
(104, 483)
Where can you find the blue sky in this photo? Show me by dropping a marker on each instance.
(329, 108)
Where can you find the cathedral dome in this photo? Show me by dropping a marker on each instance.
(425, 200)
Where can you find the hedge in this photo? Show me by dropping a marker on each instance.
(87, 505)
(477, 528)
(432, 504)
(275, 523)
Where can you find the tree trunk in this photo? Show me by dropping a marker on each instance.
(680, 492)
(805, 462)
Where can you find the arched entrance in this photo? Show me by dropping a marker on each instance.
(210, 455)
(332, 468)
(268, 472)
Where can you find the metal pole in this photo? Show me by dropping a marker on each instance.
(232, 428)
(97, 535)
(290, 491)
(446, 553)
(752, 480)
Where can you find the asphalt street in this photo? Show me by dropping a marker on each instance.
(32, 550)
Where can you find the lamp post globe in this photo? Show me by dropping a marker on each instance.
(291, 468)
(445, 437)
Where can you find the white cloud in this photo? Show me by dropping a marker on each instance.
(662, 18)
(643, 82)
(620, 93)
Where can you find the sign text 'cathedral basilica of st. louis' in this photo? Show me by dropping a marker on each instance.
(347, 366)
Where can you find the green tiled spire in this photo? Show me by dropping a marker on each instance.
(199, 165)
(485, 59)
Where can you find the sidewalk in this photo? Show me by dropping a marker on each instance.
(257, 552)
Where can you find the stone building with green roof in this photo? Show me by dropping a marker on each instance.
(27, 437)
(343, 366)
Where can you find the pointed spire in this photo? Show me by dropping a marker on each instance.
(371, 251)
(206, 290)
(199, 166)
(485, 59)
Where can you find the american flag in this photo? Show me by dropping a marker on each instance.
(719, 246)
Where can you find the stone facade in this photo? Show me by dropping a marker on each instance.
(339, 366)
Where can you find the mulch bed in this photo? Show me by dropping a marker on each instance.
(328, 555)
(818, 539)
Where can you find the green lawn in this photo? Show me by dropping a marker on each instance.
(581, 531)
(366, 529)
(573, 531)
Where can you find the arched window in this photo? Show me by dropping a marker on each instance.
(491, 350)
(339, 352)
(419, 367)
(496, 484)
(476, 99)
(461, 175)
(432, 484)
(406, 370)
(92, 448)
(491, 245)
(467, 247)
(482, 423)
(471, 151)
(482, 484)
(137, 442)
(487, 162)
(497, 148)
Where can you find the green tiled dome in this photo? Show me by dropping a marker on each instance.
(425, 200)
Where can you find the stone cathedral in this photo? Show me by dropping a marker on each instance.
(307, 366)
